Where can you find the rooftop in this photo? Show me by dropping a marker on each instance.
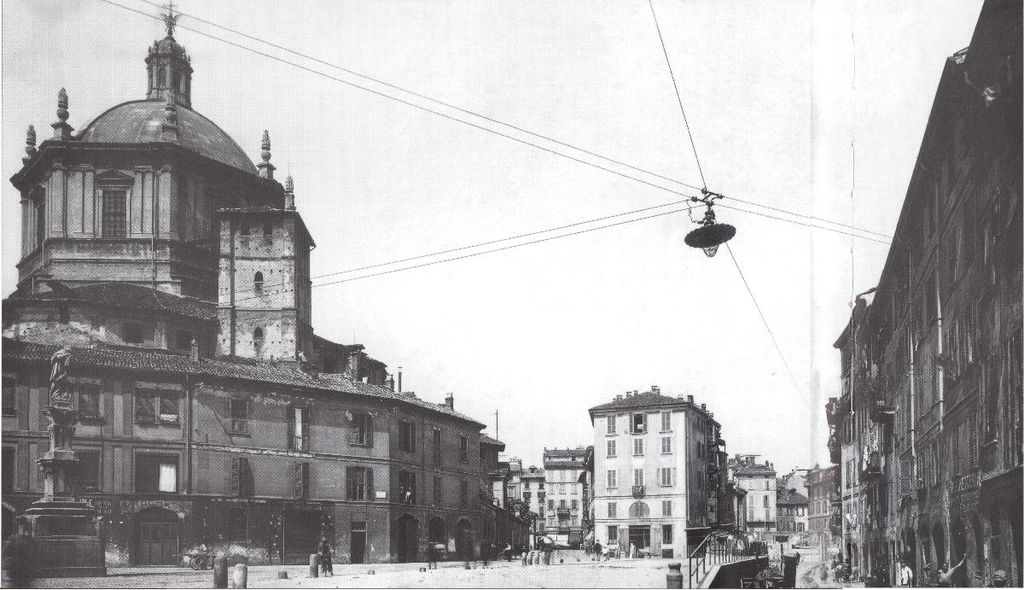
(177, 365)
(791, 497)
(755, 469)
(127, 296)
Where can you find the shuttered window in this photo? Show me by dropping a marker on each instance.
(239, 409)
(302, 480)
(242, 481)
(362, 430)
(359, 483)
(298, 428)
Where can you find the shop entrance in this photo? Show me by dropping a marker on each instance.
(640, 535)
(158, 537)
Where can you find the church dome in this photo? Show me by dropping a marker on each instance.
(139, 121)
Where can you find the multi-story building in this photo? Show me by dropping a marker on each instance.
(565, 477)
(932, 364)
(535, 499)
(759, 483)
(824, 504)
(176, 274)
(792, 511)
(658, 477)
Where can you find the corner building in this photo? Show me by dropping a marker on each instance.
(176, 272)
(658, 473)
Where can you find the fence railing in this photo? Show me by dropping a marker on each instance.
(712, 551)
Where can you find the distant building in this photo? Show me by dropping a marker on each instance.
(658, 472)
(792, 511)
(758, 480)
(565, 474)
(824, 505)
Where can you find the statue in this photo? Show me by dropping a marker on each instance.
(60, 392)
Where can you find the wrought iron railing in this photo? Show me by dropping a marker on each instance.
(712, 551)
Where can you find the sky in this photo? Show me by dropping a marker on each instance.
(813, 107)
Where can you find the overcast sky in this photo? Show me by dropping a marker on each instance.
(775, 92)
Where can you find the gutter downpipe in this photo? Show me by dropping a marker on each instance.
(938, 344)
(188, 437)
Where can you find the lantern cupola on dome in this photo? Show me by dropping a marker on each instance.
(168, 67)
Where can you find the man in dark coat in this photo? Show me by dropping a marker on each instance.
(326, 567)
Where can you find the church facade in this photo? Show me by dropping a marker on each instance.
(176, 273)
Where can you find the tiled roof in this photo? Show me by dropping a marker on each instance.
(754, 469)
(640, 400)
(257, 209)
(157, 361)
(791, 497)
(484, 439)
(139, 121)
(129, 296)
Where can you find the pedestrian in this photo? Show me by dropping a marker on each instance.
(946, 577)
(18, 558)
(904, 575)
(597, 549)
(431, 556)
(326, 568)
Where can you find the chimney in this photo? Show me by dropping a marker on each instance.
(655, 389)
(449, 401)
(389, 382)
(398, 383)
(193, 353)
(618, 398)
(689, 398)
(704, 406)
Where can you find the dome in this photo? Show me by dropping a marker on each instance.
(140, 121)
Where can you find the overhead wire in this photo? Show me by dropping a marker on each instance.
(475, 113)
(679, 98)
(764, 320)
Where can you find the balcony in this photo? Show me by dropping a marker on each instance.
(882, 412)
(639, 491)
(873, 466)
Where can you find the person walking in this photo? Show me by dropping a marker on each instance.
(946, 577)
(904, 575)
(326, 567)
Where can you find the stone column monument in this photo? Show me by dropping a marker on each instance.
(65, 530)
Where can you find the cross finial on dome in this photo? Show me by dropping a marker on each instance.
(61, 129)
(266, 168)
(170, 19)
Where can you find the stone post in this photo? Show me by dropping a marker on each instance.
(314, 565)
(674, 577)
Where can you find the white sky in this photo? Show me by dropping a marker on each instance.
(543, 332)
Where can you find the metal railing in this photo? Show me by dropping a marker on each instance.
(712, 551)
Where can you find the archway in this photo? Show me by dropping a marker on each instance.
(158, 534)
(406, 534)
(639, 509)
(435, 530)
(464, 539)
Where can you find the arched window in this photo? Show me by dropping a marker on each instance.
(639, 509)
(163, 77)
(257, 283)
(257, 338)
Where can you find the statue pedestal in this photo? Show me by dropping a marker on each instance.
(66, 536)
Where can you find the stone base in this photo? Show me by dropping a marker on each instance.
(65, 534)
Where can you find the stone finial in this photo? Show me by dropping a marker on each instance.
(289, 193)
(61, 129)
(266, 168)
(170, 122)
(30, 144)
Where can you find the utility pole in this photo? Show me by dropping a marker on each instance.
(496, 433)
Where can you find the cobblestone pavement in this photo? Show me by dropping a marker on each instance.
(639, 573)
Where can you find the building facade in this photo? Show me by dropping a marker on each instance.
(932, 364)
(565, 483)
(759, 483)
(176, 274)
(792, 511)
(824, 504)
(658, 478)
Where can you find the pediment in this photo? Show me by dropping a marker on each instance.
(115, 177)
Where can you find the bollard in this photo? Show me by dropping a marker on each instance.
(524, 558)
(371, 572)
(314, 565)
(282, 575)
(674, 577)
(220, 571)
(562, 561)
(423, 569)
(240, 576)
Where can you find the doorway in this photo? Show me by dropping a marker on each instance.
(464, 539)
(640, 535)
(357, 542)
(301, 535)
(158, 537)
(406, 534)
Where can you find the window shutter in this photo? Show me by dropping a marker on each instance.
(305, 428)
(369, 484)
(290, 420)
(236, 468)
(250, 413)
(297, 484)
(369, 430)
(673, 480)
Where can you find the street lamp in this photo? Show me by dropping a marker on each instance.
(710, 235)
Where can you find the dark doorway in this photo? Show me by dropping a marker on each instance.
(464, 539)
(406, 534)
(301, 535)
(358, 542)
(435, 530)
(158, 537)
(640, 535)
